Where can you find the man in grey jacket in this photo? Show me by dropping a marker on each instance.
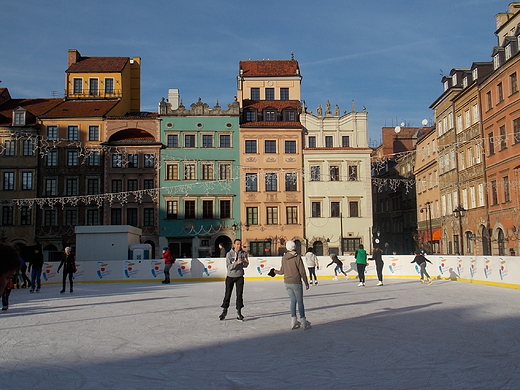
(236, 261)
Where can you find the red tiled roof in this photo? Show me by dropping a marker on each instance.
(36, 107)
(295, 125)
(278, 104)
(269, 68)
(98, 64)
(81, 108)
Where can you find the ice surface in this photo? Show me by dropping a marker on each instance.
(404, 335)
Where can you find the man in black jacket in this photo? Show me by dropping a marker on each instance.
(36, 273)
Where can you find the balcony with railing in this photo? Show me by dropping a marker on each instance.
(95, 94)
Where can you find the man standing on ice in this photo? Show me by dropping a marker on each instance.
(236, 261)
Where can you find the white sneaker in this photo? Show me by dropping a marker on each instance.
(335, 278)
(361, 284)
(379, 283)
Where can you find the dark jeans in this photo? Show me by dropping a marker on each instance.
(379, 269)
(167, 268)
(26, 280)
(5, 297)
(71, 274)
(361, 272)
(36, 278)
(340, 269)
(230, 282)
(312, 272)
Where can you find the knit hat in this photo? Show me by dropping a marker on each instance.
(290, 245)
(165, 248)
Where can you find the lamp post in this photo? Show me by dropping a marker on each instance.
(459, 213)
(428, 210)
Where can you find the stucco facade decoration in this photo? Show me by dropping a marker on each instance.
(337, 182)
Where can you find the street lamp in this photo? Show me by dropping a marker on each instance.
(459, 213)
(428, 210)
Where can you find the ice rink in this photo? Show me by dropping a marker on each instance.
(403, 335)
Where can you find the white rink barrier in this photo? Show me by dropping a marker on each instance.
(492, 270)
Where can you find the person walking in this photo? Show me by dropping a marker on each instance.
(23, 271)
(36, 273)
(420, 260)
(377, 255)
(69, 269)
(361, 263)
(168, 263)
(312, 264)
(339, 266)
(236, 261)
(293, 272)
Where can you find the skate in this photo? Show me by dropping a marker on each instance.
(305, 324)
(223, 315)
(295, 324)
(240, 317)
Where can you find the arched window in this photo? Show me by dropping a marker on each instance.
(485, 241)
(318, 248)
(501, 242)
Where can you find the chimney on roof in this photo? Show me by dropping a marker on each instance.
(74, 56)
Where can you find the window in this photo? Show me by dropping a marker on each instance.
(148, 217)
(345, 141)
(270, 115)
(334, 209)
(172, 209)
(77, 85)
(49, 218)
(133, 161)
(173, 141)
(271, 182)
(93, 186)
(284, 93)
(225, 209)
(71, 187)
(269, 94)
(207, 209)
(10, 148)
(131, 216)
(290, 147)
(513, 82)
(115, 217)
(507, 196)
(93, 87)
(93, 217)
(224, 171)
(94, 159)
(117, 185)
(328, 141)
(351, 244)
(189, 140)
(225, 141)
(72, 158)
(353, 209)
(489, 101)
(131, 185)
(316, 209)
(189, 209)
(315, 173)
(251, 182)
(251, 146)
(51, 159)
(292, 215)
(270, 146)
(272, 215)
(28, 147)
(290, 181)
(52, 133)
(19, 118)
(71, 217)
(148, 184)
(260, 248)
(73, 133)
(172, 171)
(25, 215)
(334, 173)
(516, 130)
(500, 92)
(252, 215)
(189, 171)
(289, 115)
(93, 133)
(352, 172)
(149, 160)
(208, 171)
(109, 85)
(250, 115)
(7, 215)
(27, 180)
(255, 93)
(207, 141)
(8, 184)
(503, 141)
(494, 192)
(491, 143)
(312, 142)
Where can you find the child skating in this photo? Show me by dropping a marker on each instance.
(420, 260)
(339, 266)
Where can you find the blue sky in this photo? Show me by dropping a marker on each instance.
(385, 55)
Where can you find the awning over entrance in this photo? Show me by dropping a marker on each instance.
(436, 234)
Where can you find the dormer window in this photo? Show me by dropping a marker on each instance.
(496, 61)
(454, 79)
(474, 73)
(19, 117)
(509, 52)
(289, 115)
(250, 115)
(270, 115)
(465, 82)
(446, 85)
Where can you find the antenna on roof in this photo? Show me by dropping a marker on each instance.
(292, 56)
(54, 94)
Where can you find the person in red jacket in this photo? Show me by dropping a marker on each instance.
(168, 262)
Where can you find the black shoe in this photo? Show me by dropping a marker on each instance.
(4, 308)
(222, 316)
(31, 290)
(62, 291)
(240, 317)
(71, 291)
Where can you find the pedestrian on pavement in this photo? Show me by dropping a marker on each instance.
(236, 261)
(293, 272)
(377, 255)
(339, 266)
(361, 263)
(69, 269)
(312, 264)
(421, 260)
(36, 273)
(169, 259)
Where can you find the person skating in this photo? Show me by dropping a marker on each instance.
(69, 269)
(168, 263)
(377, 255)
(339, 266)
(36, 273)
(236, 261)
(420, 260)
(312, 264)
(361, 263)
(293, 272)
